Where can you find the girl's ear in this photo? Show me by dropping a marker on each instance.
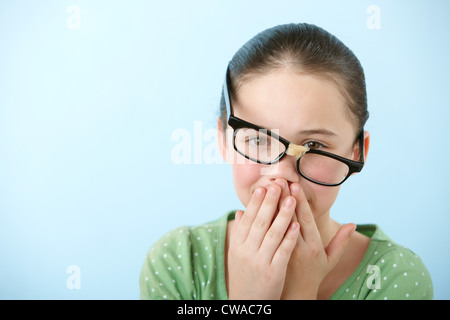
(366, 144)
(366, 147)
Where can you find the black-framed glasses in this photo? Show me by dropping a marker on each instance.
(263, 146)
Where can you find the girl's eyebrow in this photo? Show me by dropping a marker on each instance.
(324, 132)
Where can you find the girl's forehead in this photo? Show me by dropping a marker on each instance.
(285, 98)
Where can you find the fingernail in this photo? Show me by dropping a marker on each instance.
(288, 202)
(259, 192)
(295, 188)
(273, 190)
(352, 230)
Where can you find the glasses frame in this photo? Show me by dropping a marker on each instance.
(291, 149)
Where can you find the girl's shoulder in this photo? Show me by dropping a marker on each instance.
(387, 271)
(194, 237)
(186, 237)
(184, 260)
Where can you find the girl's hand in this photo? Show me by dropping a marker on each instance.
(310, 261)
(261, 244)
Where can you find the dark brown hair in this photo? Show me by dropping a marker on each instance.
(309, 49)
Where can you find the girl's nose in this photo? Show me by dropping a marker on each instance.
(285, 169)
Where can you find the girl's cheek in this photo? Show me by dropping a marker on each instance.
(320, 198)
(245, 177)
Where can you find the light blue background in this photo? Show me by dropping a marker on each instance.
(87, 116)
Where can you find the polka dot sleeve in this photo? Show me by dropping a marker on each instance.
(399, 274)
(167, 270)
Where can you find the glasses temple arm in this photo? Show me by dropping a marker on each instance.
(226, 94)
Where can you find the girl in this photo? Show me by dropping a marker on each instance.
(293, 111)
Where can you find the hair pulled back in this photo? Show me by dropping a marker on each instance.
(308, 49)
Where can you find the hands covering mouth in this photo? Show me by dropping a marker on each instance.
(275, 248)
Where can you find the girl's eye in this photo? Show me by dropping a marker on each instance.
(258, 141)
(313, 145)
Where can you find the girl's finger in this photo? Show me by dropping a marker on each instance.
(283, 254)
(237, 218)
(340, 241)
(285, 191)
(247, 218)
(264, 217)
(278, 229)
(305, 217)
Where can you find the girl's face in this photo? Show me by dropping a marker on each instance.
(306, 110)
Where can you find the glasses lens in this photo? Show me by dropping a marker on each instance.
(257, 145)
(323, 169)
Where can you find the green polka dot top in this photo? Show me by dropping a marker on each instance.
(188, 263)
